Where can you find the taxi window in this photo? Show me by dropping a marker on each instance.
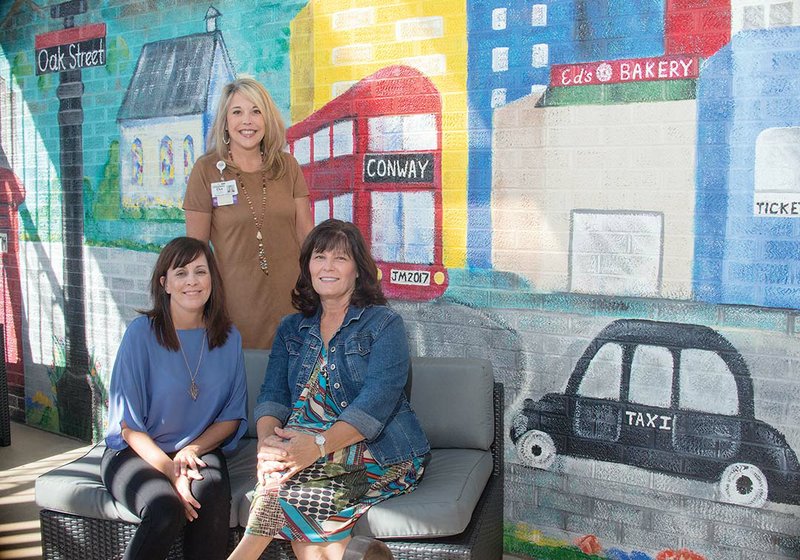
(651, 376)
(707, 385)
(602, 377)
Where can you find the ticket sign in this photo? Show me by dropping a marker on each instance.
(621, 71)
(71, 48)
(776, 205)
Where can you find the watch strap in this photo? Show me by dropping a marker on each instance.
(319, 439)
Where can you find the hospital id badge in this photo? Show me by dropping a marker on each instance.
(224, 193)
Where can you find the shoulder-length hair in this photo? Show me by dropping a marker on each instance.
(336, 235)
(274, 130)
(175, 254)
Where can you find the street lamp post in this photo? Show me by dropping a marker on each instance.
(74, 392)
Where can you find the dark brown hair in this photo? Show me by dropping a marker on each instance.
(175, 254)
(344, 236)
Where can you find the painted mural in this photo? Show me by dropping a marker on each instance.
(601, 197)
(168, 106)
(12, 194)
(372, 156)
(636, 396)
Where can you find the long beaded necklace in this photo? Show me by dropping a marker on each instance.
(194, 390)
(262, 255)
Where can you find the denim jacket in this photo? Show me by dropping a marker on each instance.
(367, 369)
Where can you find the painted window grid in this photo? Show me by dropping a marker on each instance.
(777, 161)
(651, 376)
(761, 15)
(302, 150)
(137, 163)
(322, 144)
(343, 133)
(188, 158)
(403, 226)
(343, 207)
(500, 59)
(498, 97)
(616, 252)
(540, 55)
(322, 210)
(167, 162)
(602, 377)
(396, 133)
(539, 15)
(704, 373)
(780, 15)
(499, 18)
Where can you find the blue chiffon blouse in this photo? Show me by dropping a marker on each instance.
(149, 388)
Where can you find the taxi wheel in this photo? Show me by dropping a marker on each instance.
(536, 449)
(743, 484)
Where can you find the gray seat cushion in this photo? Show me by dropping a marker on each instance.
(452, 398)
(242, 469)
(255, 365)
(77, 488)
(442, 504)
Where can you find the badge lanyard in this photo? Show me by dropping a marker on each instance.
(224, 193)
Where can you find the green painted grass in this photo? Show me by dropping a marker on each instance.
(545, 549)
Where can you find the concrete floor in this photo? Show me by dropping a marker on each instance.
(32, 452)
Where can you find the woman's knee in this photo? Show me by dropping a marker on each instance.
(333, 550)
(214, 486)
(211, 490)
(164, 514)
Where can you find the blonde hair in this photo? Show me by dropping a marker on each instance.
(274, 134)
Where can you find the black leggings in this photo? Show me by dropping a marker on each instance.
(147, 493)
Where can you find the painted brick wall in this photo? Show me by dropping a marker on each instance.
(549, 162)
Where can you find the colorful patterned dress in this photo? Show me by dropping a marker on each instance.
(323, 501)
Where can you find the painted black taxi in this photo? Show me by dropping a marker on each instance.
(669, 397)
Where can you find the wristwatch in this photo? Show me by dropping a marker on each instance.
(320, 440)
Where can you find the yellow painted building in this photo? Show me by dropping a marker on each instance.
(335, 43)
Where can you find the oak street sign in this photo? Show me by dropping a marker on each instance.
(71, 48)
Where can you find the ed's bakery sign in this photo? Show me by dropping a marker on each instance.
(71, 48)
(618, 71)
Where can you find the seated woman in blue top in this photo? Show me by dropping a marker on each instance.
(178, 399)
(336, 433)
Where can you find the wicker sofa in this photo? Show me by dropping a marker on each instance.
(455, 513)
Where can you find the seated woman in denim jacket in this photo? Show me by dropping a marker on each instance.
(336, 433)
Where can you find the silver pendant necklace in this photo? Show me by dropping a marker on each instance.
(194, 390)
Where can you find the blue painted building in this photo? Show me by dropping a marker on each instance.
(747, 234)
(512, 45)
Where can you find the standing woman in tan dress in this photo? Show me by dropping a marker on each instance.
(249, 198)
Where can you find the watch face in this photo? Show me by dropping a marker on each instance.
(319, 439)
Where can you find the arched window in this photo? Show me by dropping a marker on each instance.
(188, 157)
(167, 162)
(137, 163)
